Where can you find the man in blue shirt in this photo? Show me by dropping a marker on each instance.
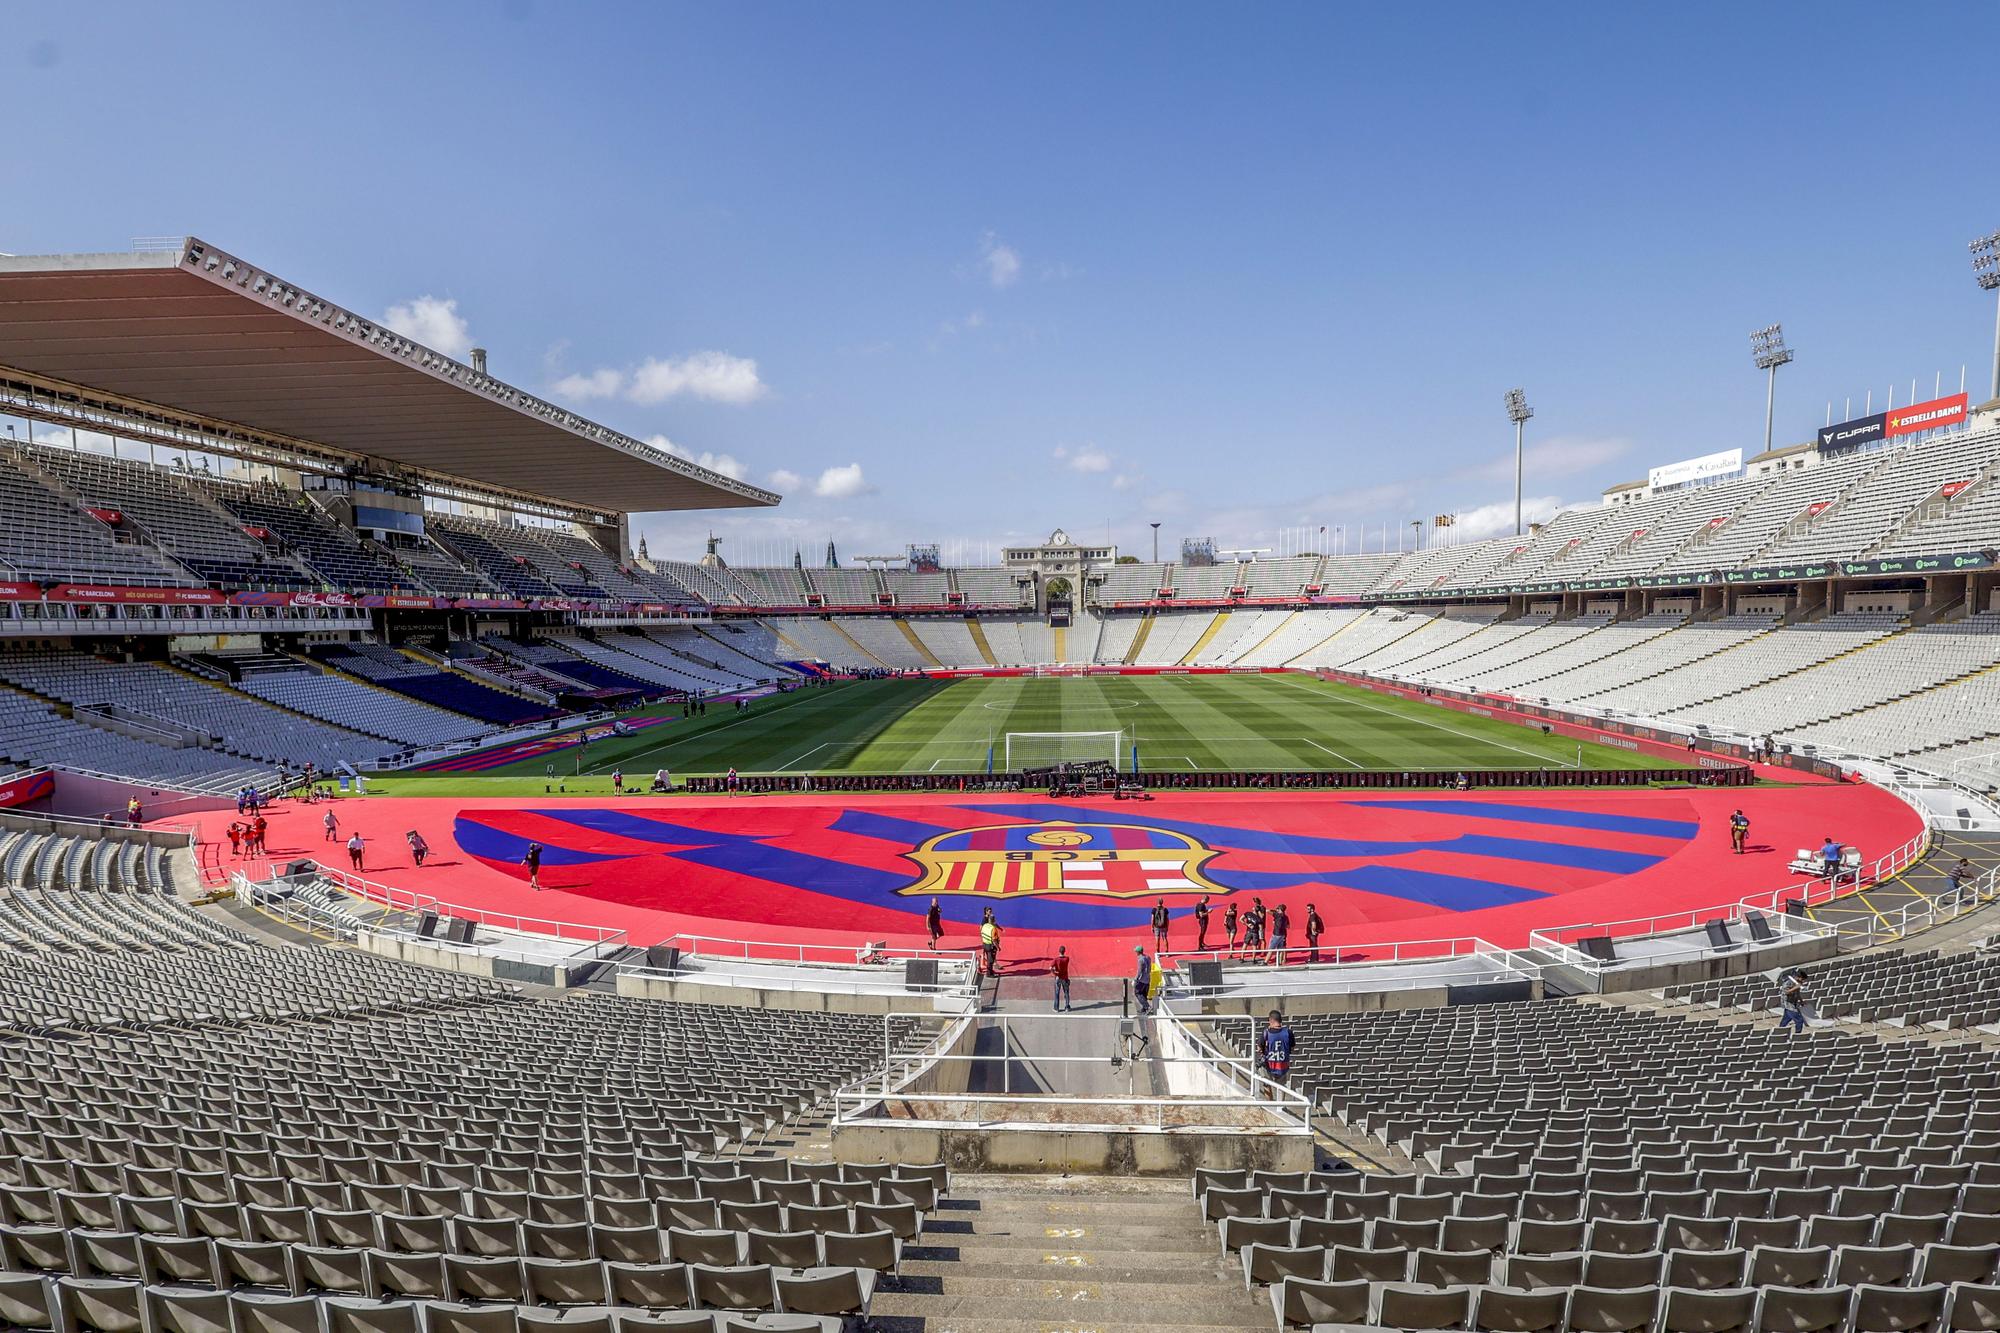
(1274, 1048)
(1829, 856)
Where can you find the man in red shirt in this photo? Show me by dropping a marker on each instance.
(1061, 969)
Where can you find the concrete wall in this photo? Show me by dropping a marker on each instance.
(88, 797)
(689, 991)
(426, 955)
(1742, 962)
(1079, 1151)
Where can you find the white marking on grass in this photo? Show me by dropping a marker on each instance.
(1335, 753)
(1542, 761)
(807, 755)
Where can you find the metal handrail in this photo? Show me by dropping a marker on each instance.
(394, 899)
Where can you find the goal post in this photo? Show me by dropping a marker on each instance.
(1046, 749)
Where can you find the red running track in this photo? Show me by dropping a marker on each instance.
(833, 870)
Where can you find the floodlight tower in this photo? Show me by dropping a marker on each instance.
(1156, 543)
(1768, 350)
(1518, 412)
(1986, 272)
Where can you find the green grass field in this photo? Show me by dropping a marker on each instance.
(1179, 723)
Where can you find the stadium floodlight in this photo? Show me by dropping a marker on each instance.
(1156, 543)
(1518, 412)
(1986, 272)
(1768, 350)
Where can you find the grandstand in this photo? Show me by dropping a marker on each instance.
(254, 1092)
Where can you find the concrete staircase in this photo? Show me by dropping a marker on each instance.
(1039, 1254)
(1207, 635)
(923, 650)
(1139, 639)
(978, 633)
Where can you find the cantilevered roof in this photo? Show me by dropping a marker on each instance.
(197, 330)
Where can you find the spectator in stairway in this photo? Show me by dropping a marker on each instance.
(1829, 856)
(1281, 933)
(934, 922)
(532, 859)
(419, 849)
(989, 944)
(1142, 981)
(1229, 927)
(1201, 924)
(1274, 1048)
(1160, 919)
(355, 846)
(1739, 831)
(1792, 996)
(1061, 970)
(1314, 929)
(331, 824)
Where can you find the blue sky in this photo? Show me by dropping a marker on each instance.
(964, 273)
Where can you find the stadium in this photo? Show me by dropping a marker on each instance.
(426, 909)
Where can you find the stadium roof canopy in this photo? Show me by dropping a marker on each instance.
(198, 331)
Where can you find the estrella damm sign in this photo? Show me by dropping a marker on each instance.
(1101, 860)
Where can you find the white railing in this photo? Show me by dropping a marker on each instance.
(1384, 951)
(824, 978)
(594, 941)
(1282, 1109)
(776, 951)
(1481, 962)
(1919, 914)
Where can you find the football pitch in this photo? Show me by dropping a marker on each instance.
(1190, 723)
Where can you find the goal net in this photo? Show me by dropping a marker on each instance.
(1046, 749)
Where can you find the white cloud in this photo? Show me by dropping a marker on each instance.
(591, 384)
(1001, 262)
(726, 464)
(785, 479)
(1123, 482)
(1497, 519)
(967, 323)
(1558, 455)
(841, 483)
(1090, 458)
(433, 322)
(716, 377)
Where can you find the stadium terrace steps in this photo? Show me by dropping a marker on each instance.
(978, 633)
(862, 654)
(1726, 689)
(1032, 1254)
(1214, 627)
(1139, 639)
(922, 649)
(1061, 633)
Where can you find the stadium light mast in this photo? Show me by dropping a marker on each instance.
(1156, 543)
(1518, 412)
(1768, 350)
(1986, 271)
